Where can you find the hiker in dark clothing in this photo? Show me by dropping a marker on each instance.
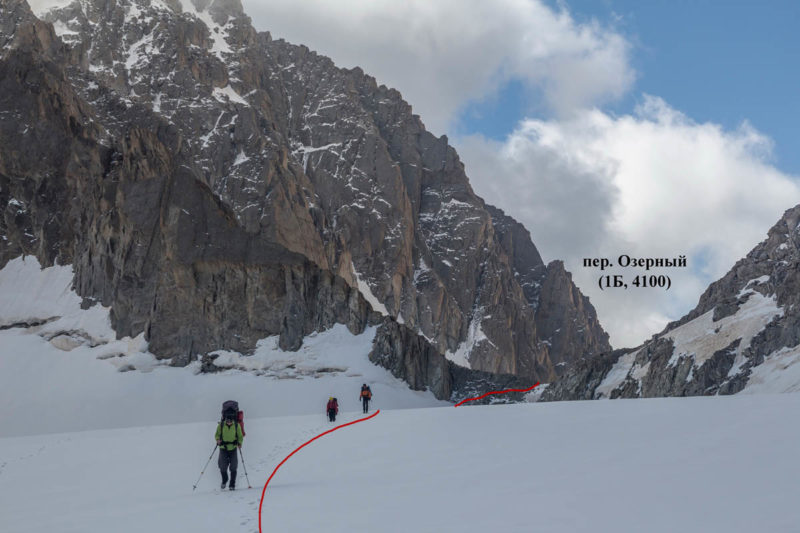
(333, 409)
(366, 396)
(229, 439)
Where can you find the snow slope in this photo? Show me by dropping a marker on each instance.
(719, 464)
(681, 464)
(70, 373)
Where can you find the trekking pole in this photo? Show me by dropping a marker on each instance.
(249, 486)
(204, 468)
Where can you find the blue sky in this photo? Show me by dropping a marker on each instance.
(718, 61)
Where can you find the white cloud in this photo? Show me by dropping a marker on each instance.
(651, 184)
(442, 54)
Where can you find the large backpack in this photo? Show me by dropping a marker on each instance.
(230, 409)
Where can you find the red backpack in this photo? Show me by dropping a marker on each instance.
(333, 404)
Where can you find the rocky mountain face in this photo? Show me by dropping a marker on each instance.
(214, 186)
(744, 334)
(565, 320)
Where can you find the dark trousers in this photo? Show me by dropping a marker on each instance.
(332, 415)
(365, 401)
(228, 459)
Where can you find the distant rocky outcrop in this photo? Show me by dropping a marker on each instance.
(214, 186)
(743, 334)
(566, 322)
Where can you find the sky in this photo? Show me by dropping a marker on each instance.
(652, 129)
(721, 61)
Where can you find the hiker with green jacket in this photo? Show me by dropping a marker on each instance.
(229, 438)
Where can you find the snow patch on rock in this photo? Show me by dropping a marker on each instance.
(748, 287)
(475, 336)
(326, 352)
(228, 94)
(44, 296)
(62, 30)
(615, 376)
(366, 292)
(40, 7)
(780, 372)
(702, 337)
(535, 394)
(217, 32)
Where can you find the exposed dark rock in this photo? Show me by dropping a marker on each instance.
(473, 384)
(566, 319)
(583, 378)
(411, 358)
(214, 186)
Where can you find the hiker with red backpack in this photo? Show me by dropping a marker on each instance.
(229, 437)
(366, 396)
(332, 408)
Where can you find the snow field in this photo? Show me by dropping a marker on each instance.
(699, 464)
(45, 390)
(71, 374)
(662, 465)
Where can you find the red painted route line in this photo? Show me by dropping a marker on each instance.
(264, 491)
(496, 392)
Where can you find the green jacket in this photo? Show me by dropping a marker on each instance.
(231, 436)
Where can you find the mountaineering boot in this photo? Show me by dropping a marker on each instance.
(232, 487)
(222, 486)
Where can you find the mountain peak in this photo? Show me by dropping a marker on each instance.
(234, 187)
(744, 335)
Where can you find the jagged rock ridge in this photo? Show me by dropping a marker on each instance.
(215, 186)
(743, 334)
